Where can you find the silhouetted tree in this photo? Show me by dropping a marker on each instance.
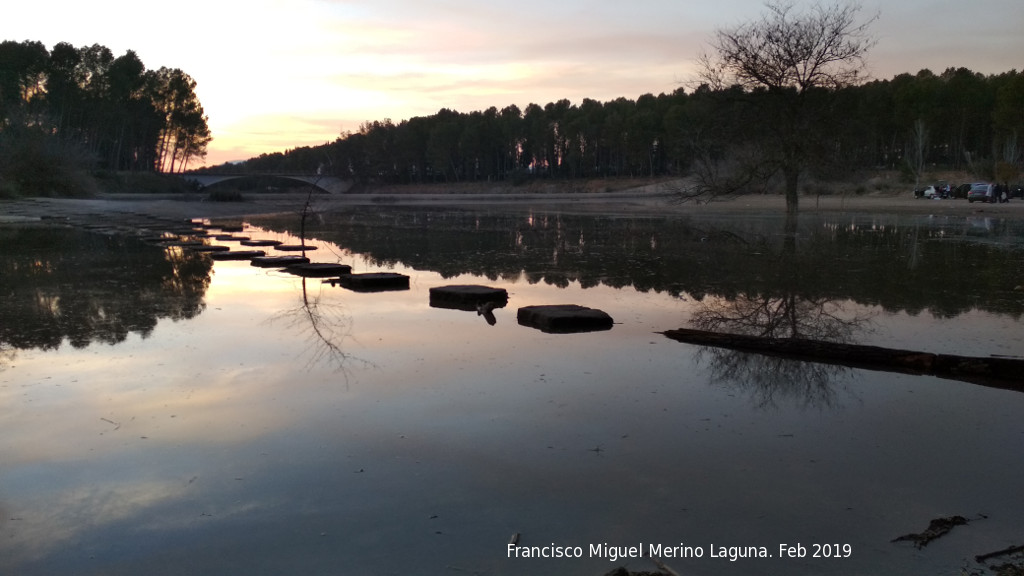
(789, 58)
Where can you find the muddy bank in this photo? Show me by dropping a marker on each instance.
(654, 199)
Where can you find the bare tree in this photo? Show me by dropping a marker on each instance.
(790, 56)
(717, 171)
(917, 151)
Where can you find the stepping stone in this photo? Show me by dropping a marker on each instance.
(467, 296)
(372, 281)
(182, 244)
(564, 318)
(293, 247)
(319, 270)
(278, 261)
(186, 232)
(238, 255)
(260, 242)
(208, 248)
(228, 227)
(230, 237)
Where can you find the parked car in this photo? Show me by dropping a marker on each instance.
(961, 191)
(929, 192)
(982, 192)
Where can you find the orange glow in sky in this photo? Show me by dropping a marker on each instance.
(274, 75)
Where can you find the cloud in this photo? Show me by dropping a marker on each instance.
(325, 63)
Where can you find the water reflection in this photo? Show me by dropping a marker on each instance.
(769, 378)
(129, 460)
(793, 312)
(325, 326)
(911, 264)
(83, 287)
(810, 277)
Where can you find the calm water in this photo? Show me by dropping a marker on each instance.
(161, 413)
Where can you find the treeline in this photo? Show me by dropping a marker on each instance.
(958, 120)
(833, 260)
(83, 107)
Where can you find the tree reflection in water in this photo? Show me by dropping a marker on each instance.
(324, 325)
(771, 379)
(63, 285)
(791, 314)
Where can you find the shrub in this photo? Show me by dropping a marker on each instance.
(33, 163)
(225, 195)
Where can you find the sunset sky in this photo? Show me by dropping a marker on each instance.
(276, 74)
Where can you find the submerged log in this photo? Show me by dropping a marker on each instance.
(1005, 373)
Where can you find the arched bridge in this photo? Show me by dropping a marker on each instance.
(329, 184)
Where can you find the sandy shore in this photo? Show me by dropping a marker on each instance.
(628, 202)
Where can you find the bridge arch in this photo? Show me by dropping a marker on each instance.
(329, 184)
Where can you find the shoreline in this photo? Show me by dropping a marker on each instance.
(630, 202)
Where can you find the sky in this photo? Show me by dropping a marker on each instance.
(278, 74)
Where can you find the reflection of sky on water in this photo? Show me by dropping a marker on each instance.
(215, 446)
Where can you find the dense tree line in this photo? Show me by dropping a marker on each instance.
(87, 106)
(958, 120)
(833, 259)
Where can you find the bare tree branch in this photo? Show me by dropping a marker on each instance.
(793, 62)
(823, 48)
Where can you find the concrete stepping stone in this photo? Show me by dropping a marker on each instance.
(467, 296)
(278, 261)
(372, 281)
(293, 247)
(182, 243)
(208, 248)
(260, 242)
(319, 270)
(238, 255)
(564, 318)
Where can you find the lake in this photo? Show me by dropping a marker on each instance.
(165, 413)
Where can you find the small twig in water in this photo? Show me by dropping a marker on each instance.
(1003, 552)
(936, 528)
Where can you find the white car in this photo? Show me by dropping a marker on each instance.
(929, 192)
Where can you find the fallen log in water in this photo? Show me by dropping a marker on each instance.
(1005, 373)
